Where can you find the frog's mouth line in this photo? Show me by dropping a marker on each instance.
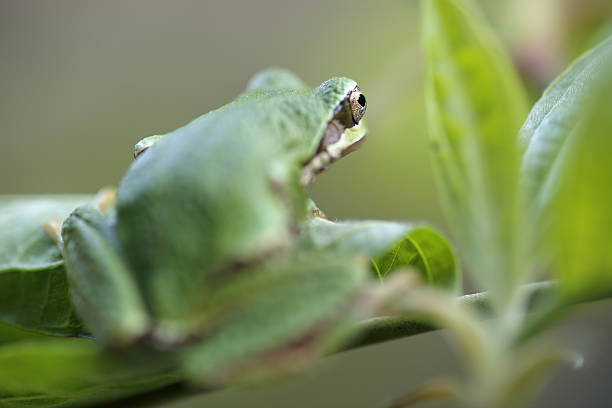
(333, 145)
(353, 146)
(331, 148)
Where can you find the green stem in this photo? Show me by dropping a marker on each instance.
(379, 329)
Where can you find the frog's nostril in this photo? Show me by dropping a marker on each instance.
(361, 100)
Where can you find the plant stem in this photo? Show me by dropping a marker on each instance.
(379, 329)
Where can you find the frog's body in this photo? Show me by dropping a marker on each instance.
(232, 178)
(209, 201)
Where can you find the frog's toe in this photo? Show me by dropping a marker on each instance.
(105, 198)
(53, 228)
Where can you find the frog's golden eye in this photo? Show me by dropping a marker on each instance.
(358, 105)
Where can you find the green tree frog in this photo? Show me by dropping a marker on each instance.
(198, 255)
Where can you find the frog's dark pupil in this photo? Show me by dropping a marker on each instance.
(361, 100)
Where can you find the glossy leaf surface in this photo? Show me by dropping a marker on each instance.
(33, 286)
(556, 119)
(581, 205)
(390, 245)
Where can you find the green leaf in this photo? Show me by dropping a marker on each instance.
(10, 333)
(24, 244)
(391, 245)
(552, 121)
(475, 106)
(580, 210)
(57, 372)
(33, 287)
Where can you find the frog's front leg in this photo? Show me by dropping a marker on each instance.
(315, 166)
(101, 286)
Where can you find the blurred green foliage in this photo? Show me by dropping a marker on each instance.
(509, 212)
(475, 107)
(71, 372)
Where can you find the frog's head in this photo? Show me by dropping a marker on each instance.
(344, 131)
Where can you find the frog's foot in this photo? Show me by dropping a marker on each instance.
(105, 198)
(53, 228)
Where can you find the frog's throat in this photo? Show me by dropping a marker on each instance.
(333, 146)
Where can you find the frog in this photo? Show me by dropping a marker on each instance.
(197, 257)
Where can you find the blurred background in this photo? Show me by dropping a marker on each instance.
(82, 81)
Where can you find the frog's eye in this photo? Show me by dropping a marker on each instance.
(358, 105)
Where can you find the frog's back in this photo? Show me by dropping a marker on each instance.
(219, 192)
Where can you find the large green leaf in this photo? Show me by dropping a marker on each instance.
(554, 119)
(33, 286)
(10, 333)
(475, 107)
(581, 204)
(50, 371)
(390, 245)
(24, 244)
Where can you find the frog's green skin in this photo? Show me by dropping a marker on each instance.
(214, 203)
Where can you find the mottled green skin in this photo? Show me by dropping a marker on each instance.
(201, 243)
(222, 190)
